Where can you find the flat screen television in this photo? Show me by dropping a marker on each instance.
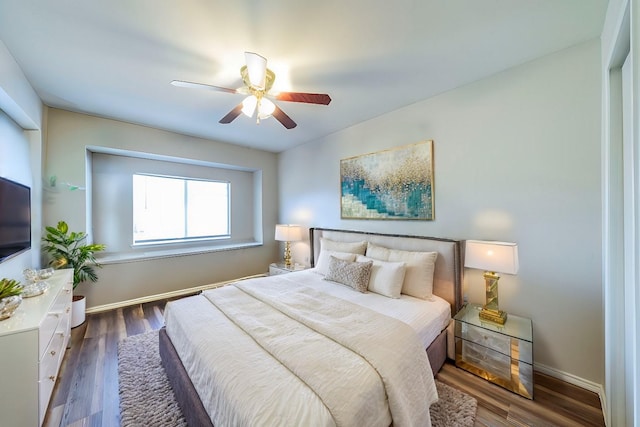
(15, 218)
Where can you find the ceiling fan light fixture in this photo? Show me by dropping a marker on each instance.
(249, 105)
(258, 80)
(265, 109)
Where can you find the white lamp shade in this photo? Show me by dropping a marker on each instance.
(288, 233)
(497, 257)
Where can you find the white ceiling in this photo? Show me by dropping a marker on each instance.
(115, 58)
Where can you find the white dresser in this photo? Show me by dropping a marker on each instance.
(32, 344)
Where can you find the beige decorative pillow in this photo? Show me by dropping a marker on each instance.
(351, 247)
(418, 278)
(386, 277)
(322, 266)
(353, 274)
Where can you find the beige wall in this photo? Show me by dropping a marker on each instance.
(517, 158)
(68, 134)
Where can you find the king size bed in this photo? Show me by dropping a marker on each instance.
(342, 343)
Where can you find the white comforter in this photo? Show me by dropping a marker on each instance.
(291, 355)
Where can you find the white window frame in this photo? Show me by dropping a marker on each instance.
(169, 241)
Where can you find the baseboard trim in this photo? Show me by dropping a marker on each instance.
(577, 381)
(166, 295)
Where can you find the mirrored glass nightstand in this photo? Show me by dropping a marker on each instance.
(281, 268)
(501, 354)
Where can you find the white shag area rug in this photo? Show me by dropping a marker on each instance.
(453, 408)
(146, 397)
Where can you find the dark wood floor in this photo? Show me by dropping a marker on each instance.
(87, 391)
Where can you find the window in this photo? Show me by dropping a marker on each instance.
(172, 209)
(110, 205)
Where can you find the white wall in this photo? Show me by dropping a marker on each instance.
(17, 98)
(67, 136)
(517, 158)
(20, 151)
(621, 212)
(14, 165)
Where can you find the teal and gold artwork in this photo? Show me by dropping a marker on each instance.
(390, 184)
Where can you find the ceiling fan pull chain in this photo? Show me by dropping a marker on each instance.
(258, 109)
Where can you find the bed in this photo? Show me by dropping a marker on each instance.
(315, 347)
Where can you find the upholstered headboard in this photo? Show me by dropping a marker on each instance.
(447, 280)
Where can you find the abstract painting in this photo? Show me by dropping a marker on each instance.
(389, 184)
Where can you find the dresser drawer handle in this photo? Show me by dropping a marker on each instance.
(53, 352)
(68, 291)
(67, 310)
(52, 378)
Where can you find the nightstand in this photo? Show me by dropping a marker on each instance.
(501, 354)
(279, 268)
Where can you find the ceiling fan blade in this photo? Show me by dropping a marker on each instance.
(282, 117)
(257, 68)
(231, 115)
(191, 85)
(309, 98)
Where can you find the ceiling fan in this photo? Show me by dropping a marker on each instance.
(258, 80)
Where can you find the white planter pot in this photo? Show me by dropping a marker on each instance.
(78, 306)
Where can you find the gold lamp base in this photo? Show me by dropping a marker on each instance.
(490, 312)
(495, 316)
(287, 255)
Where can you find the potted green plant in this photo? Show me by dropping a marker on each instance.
(10, 297)
(68, 249)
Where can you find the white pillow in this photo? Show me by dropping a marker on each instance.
(322, 266)
(386, 277)
(418, 279)
(351, 247)
(377, 252)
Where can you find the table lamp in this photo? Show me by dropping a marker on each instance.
(493, 257)
(288, 233)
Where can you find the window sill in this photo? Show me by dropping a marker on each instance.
(121, 258)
